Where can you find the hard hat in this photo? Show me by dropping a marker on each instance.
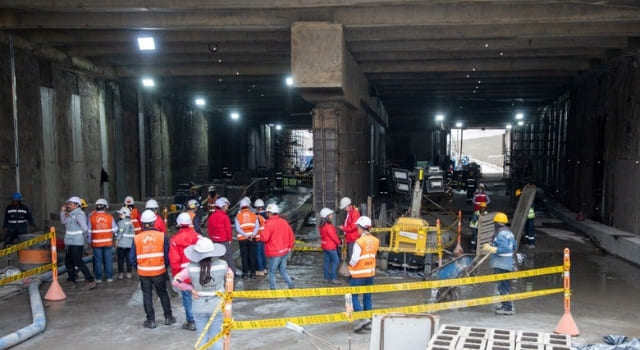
(221, 202)
(226, 201)
(344, 202)
(193, 188)
(481, 186)
(16, 196)
(325, 212)
(212, 188)
(83, 203)
(259, 203)
(518, 192)
(364, 222)
(125, 211)
(273, 208)
(102, 201)
(482, 204)
(501, 218)
(128, 200)
(184, 219)
(245, 202)
(192, 204)
(152, 204)
(75, 199)
(148, 216)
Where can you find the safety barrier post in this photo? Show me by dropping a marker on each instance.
(228, 299)
(567, 325)
(439, 237)
(165, 215)
(55, 291)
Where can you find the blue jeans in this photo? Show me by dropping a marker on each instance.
(504, 288)
(331, 262)
(103, 256)
(279, 263)
(186, 302)
(366, 297)
(261, 259)
(201, 320)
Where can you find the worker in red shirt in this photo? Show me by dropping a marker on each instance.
(278, 241)
(185, 237)
(349, 228)
(219, 229)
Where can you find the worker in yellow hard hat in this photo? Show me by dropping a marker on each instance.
(502, 249)
(518, 192)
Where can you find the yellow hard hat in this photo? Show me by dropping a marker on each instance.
(518, 192)
(501, 218)
(482, 204)
(83, 203)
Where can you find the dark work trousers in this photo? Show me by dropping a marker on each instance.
(10, 237)
(248, 254)
(73, 259)
(123, 257)
(228, 256)
(147, 284)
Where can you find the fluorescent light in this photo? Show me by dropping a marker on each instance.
(235, 116)
(439, 117)
(509, 126)
(458, 125)
(289, 81)
(146, 43)
(278, 127)
(200, 101)
(520, 123)
(148, 82)
(519, 116)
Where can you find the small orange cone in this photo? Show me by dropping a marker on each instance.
(567, 325)
(55, 290)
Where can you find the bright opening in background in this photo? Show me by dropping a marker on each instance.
(484, 147)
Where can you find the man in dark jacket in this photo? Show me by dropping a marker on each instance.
(17, 217)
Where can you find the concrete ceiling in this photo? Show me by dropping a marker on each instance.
(478, 61)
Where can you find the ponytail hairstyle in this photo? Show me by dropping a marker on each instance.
(205, 271)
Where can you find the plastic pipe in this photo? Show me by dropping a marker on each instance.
(39, 320)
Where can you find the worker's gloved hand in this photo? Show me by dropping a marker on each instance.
(489, 249)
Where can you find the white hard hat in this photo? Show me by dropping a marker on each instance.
(152, 204)
(192, 204)
(75, 199)
(245, 202)
(259, 203)
(325, 212)
(221, 202)
(481, 185)
(128, 200)
(344, 202)
(273, 208)
(364, 222)
(212, 189)
(184, 219)
(148, 216)
(125, 211)
(102, 201)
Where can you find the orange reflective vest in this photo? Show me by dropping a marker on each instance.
(135, 220)
(366, 265)
(101, 229)
(150, 253)
(261, 220)
(247, 221)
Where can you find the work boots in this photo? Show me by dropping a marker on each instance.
(189, 325)
(169, 320)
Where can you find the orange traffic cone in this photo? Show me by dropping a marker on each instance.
(567, 325)
(55, 290)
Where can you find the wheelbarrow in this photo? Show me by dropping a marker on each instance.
(462, 266)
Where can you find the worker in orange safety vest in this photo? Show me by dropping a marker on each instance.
(102, 227)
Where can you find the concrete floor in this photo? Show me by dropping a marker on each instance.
(604, 301)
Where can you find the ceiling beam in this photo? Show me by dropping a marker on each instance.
(478, 65)
(202, 70)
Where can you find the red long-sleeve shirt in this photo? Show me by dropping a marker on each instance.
(277, 236)
(185, 237)
(350, 228)
(328, 237)
(219, 227)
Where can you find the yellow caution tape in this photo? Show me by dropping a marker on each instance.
(206, 327)
(35, 271)
(342, 317)
(14, 248)
(385, 288)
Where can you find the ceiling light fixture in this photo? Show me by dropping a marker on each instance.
(278, 127)
(509, 126)
(146, 43)
(148, 82)
(520, 123)
(289, 81)
(200, 101)
(458, 125)
(519, 116)
(439, 117)
(235, 116)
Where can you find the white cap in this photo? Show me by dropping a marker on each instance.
(152, 204)
(325, 212)
(273, 208)
(75, 199)
(344, 202)
(148, 216)
(128, 200)
(245, 202)
(102, 201)
(259, 203)
(364, 222)
(192, 204)
(125, 211)
(212, 189)
(184, 219)
(221, 202)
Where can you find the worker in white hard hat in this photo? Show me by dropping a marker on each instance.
(329, 242)
(102, 227)
(185, 237)
(129, 202)
(124, 240)
(349, 228)
(261, 258)
(150, 253)
(76, 232)
(152, 204)
(246, 224)
(362, 267)
(219, 229)
(278, 241)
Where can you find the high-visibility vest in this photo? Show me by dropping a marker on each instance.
(531, 214)
(261, 220)
(101, 229)
(135, 220)
(150, 253)
(366, 265)
(247, 220)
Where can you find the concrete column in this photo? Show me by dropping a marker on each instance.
(141, 150)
